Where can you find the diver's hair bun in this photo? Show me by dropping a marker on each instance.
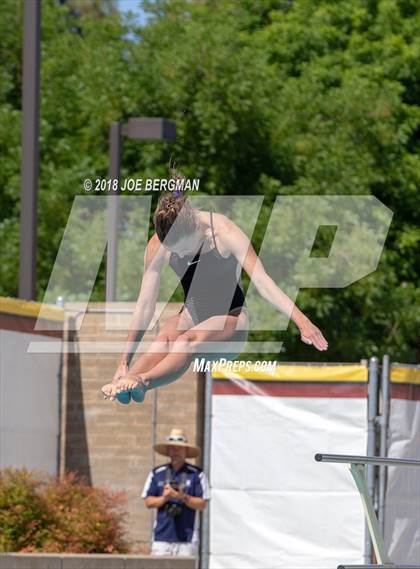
(171, 206)
(175, 173)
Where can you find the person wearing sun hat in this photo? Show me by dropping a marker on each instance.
(179, 490)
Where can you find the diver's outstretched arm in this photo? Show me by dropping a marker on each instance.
(235, 241)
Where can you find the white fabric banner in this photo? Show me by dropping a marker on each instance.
(272, 505)
(402, 503)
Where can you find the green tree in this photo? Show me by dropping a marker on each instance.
(310, 97)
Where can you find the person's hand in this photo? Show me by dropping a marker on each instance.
(169, 492)
(172, 493)
(120, 372)
(177, 494)
(181, 496)
(310, 334)
(110, 389)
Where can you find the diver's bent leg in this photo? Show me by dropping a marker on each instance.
(159, 347)
(183, 350)
(157, 350)
(173, 365)
(178, 360)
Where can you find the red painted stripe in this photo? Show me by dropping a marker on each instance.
(409, 391)
(289, 389)
(17, 323)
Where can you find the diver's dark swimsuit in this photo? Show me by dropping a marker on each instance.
(215, 288)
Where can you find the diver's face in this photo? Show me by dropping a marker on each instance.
(188, 245)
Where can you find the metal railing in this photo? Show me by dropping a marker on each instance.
(357, 468)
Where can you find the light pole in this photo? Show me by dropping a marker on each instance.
(139, 129)
(30, 148)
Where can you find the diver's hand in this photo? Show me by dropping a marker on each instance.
(310, 334)
(109, 390)
(120, 372)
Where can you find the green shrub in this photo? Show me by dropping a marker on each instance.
(59, 515)
(24, 516)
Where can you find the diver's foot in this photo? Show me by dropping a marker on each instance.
(138, 392)
(109, 391)
(134, 385)
(123, 397)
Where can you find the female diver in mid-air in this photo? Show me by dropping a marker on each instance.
(210, 247)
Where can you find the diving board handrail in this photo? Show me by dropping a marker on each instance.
(392, 566)
(377, 460)
(357, 468)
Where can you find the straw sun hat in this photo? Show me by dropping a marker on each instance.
(177, 438)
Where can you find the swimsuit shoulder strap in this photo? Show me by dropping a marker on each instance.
(212, 231)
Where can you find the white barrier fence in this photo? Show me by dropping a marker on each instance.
(271, 507)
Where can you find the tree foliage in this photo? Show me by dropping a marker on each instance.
(281, 97)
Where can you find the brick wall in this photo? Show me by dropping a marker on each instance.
(109, 443)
